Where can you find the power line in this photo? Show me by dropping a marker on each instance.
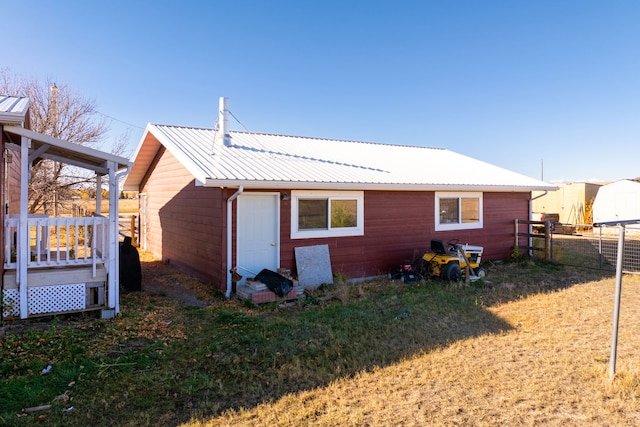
(118, 120)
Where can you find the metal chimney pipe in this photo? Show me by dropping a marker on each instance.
(223, 121)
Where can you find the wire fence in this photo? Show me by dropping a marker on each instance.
(596, 247)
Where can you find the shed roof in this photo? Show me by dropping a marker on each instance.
(281, 161)
(13, 109)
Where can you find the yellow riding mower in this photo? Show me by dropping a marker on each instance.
(450, 262)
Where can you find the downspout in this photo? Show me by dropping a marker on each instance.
(230, 238)
(123, 173)
(113, 280)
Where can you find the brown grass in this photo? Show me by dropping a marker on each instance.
(531, 348)
(124, 205)
(550, 368)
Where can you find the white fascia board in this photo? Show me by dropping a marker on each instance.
(148, 129)
(185, 160)
(379, 187)
(12, 119)
(142, 139)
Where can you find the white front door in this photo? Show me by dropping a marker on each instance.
(258, 230)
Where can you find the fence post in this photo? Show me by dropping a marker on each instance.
(133, 230)
(616, 304)
(547, 241)
(600, 256)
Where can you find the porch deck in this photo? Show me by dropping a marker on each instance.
(65, 266)
(56, 290)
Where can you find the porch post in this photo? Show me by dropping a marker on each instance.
(23, 253)
(98, 194)
(114, 249)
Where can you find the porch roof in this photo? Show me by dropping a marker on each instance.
(13, 109)
(47, 147)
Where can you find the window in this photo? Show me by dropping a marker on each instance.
(327, 214)
(458, 211)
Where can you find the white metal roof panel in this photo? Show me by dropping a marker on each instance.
(13, 109)
(267, 160)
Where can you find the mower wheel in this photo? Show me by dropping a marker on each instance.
(480, 272)
(451, 272)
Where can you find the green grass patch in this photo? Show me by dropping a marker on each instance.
(162, 363)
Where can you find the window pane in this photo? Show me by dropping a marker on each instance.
(449, 211)
(470, 210)
(312, 214)
(344, 213)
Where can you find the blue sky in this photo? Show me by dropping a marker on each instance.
(549, 89)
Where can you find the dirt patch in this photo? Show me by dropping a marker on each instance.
(162, 279)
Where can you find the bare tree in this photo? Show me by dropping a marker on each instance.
(57, 111)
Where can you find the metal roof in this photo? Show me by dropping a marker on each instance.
(13, 109)
(281, 161)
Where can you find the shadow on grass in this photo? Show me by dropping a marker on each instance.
(263, 354)
(239, 356)
(165, 361)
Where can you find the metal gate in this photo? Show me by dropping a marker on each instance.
(597, 248)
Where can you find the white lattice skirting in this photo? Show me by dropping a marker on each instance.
(54, 299)
(11, 302)
(46, 299)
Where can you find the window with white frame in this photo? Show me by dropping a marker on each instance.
(327, 214)
(458, 211)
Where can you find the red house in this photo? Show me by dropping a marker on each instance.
(214, 199)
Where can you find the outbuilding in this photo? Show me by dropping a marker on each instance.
(215, 199)
(618, 201)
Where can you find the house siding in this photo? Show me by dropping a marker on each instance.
(186, 225)
(185, 222)
(12, 198)
(10, 190)
(3, 196)
(399, 227)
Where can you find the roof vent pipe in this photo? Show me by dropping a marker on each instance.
(223, 122)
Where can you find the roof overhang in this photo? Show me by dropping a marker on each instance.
(289, 185)
(145, 153)
(47, 147)
(156, 137)
(13, 110)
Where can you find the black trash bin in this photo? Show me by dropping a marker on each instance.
(130, 270)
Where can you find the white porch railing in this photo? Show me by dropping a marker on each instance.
(57, 242)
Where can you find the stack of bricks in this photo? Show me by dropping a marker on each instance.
(258, 293)
(264, 295)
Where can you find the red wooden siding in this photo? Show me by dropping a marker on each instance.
(10, 190)
(3, 199)
(399, 227)
(185, 222)
(12, 198)
(187, 225)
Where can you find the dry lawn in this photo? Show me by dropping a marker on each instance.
(549, 368)
(125, 206)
